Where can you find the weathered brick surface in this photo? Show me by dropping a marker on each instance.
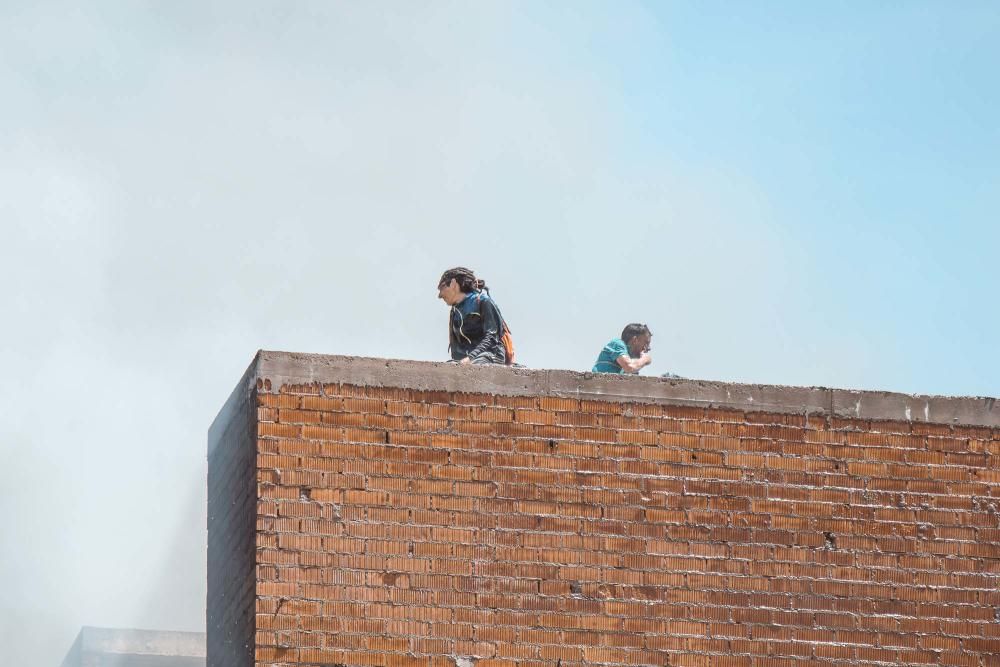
(400, 526)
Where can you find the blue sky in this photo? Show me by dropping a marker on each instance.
(862, 138)
(787, 193)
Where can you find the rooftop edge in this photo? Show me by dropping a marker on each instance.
(283, 368)
(132, 641)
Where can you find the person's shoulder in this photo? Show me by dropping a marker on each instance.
(616, 344)
(486, 301)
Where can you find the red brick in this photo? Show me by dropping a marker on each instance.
(531, 530)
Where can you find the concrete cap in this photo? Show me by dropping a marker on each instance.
(276, 369)
(272, 370)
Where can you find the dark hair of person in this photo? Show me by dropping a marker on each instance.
(467, 281)
(632, 330)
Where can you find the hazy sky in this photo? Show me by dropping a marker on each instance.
(791, 193)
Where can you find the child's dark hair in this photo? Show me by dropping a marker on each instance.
(467, 281)
(632, 330)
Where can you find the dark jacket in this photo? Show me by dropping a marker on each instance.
(474, 330)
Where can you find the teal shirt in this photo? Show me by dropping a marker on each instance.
(607, 360)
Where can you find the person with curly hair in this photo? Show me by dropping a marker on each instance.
(476, 329)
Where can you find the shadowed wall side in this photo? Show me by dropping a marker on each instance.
(232, 508)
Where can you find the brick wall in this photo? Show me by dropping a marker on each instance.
(408, 525)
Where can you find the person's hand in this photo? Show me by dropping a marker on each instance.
(645, 359)
(465, 361)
